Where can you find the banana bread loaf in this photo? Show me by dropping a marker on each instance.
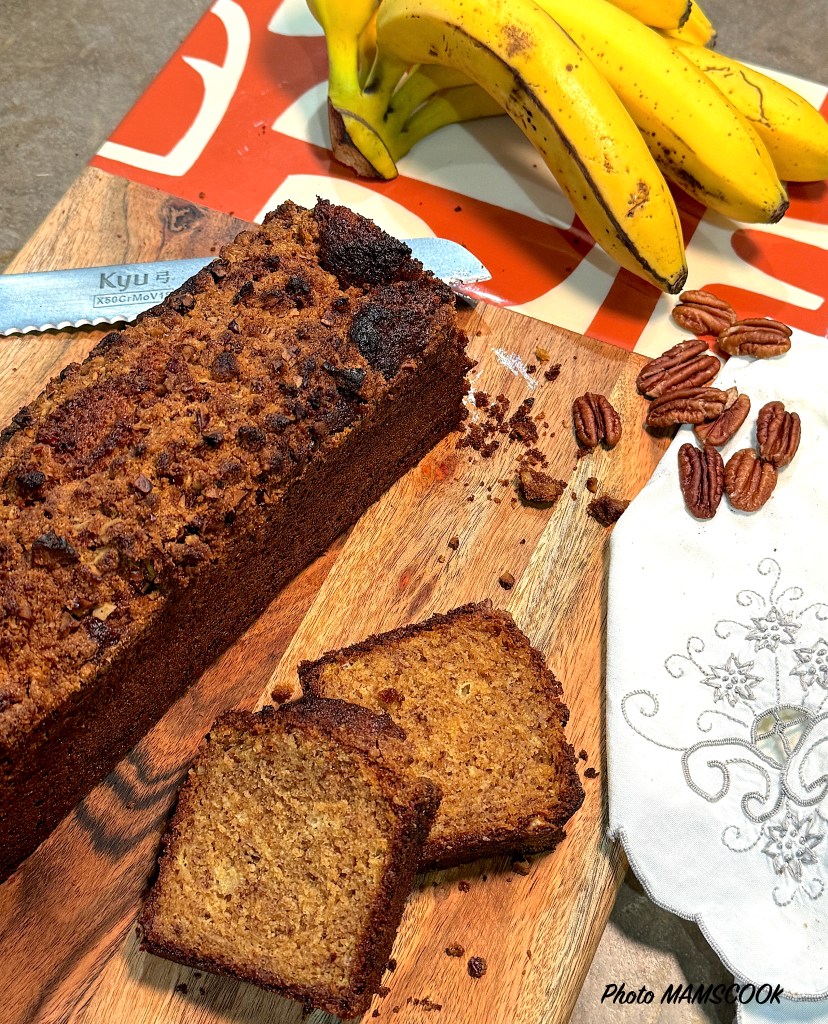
(291, 853)
(155, 498)
(483, 719)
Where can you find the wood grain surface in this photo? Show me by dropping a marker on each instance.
(67, 941)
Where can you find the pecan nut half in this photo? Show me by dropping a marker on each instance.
(686, 365)
(701, 477)
(778, 433)
(703, 313)
(689, 405)
(759, 337)
(749, 481)
(595, 420)
(720, 430)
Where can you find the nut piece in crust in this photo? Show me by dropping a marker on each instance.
(720, 430)
(778, 433)
(595, 420)
(703, 313)
(759, 337)
(689, 405)
(686, 365)
(538, 486)
(606, 510)
(749, 481)
(701, 477)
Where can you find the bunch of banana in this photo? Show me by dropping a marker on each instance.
(616, 96)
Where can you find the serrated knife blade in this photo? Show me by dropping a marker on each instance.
(56, 299)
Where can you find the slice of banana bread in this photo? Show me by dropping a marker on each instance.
(483, 719)
(155, 497)
(291, 853)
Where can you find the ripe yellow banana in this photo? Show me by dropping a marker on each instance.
(356, 98)
(666, 14)
(449, 106)
(794, 133)
(697, 29)
(697, 137)
(521, 57)
(378, 108)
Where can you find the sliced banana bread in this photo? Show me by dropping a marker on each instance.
(483, 718)
(291, 853)
(155, 497)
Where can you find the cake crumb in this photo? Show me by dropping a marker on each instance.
(540, 487)
(441, 558)
(532, 368)
(592, 484)
(521, 866)
(552, 373)
(591, 773)
(521, 426)
(455, 950)
(583, 755)
(182, 988)
(392, 964)
(383, 991)
(477, 967)
(542, 355)
(606, 510)
(463, 885)
(375, 1013)
(506, 580)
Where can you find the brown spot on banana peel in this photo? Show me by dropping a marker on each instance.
(639, 198)
(516, 40)
(521, 87)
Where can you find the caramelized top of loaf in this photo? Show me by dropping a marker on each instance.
(134, 468)
(483, 719)
(291, 850)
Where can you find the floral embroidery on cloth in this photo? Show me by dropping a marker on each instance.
(764, 732)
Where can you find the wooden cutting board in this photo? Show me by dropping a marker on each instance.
(67, 941)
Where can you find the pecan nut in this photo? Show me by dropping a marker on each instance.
(595, 420)
(703, 313)
(759, 337)
(701, 477)
(778, 433)
(749, 481)
(720, 430)
(686, 365)
(689, 405)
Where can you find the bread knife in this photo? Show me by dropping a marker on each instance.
(55, 299)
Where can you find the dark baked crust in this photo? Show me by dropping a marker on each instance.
(515, 835)
(416, 801)
(109, 595)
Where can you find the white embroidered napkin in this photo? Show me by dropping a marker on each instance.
(717, 697)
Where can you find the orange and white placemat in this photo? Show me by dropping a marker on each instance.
(236, 121)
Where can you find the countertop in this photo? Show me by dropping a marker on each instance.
(70, 69)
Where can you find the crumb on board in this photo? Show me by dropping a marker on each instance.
(182, 988)
(477, 967)
(540, 487)
(607, 510)
(463, 885)
(592, 484)
(591, 773)
(552, 373)
(521, 866)
(455, 950)
(541, 354)
(506, 580)
(583, 755)
(454, 543)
